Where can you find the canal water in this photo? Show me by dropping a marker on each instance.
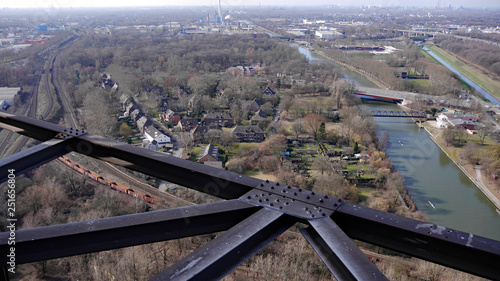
(438, 187)
(483, 92)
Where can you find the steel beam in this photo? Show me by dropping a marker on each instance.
(30, 127)
(44, 243)
(33, 157)
(219, 257)
(213, 181)
(344, 259)
(448, 247)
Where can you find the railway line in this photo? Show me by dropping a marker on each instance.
(71, 121)
(29, 109)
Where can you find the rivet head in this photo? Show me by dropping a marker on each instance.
(308, 197)
(340, 200)
(295, 193)
(312, 193)
(271, 204)
(312, 216)
(326, 196)
(277, 200)
(288, 187)
(324, 215)
(281, 207)
(286, 204)
(267, 199)
(267, 181)
(335, 205)
(320, 200)
(272, 187)
(261, 184)
(306, 208)
(260, 200)
(300, 190)
(277, 183)
(249, 197)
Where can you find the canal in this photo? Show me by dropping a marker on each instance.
(438, 187)
(483, 92)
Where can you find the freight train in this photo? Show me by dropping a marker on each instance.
(113, 185)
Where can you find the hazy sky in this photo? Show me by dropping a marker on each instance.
(101, 3)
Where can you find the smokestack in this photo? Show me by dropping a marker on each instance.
(220, 14)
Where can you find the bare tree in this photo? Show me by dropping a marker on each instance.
(312, 122)
(322, 164)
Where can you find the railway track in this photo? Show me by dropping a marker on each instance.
(71, 121)
(28, 109)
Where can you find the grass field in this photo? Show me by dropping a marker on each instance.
(474, 74)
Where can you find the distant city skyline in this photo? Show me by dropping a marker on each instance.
(132, 3)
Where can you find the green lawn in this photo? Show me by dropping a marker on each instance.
(487, 83)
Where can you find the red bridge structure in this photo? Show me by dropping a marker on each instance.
(253, 214)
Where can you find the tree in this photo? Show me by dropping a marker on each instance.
(322, 131)
(298, 127)
(385, 140)
(125, 130)
(483, 132)
(322, 164)
(236, 165)
(355, 147)
(312, 122)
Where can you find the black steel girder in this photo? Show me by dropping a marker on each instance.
(219, 257)
(266, 209)
(33, 157)
(344, 259)
(70, 239)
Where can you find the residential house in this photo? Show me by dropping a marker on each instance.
(153, 135)
(268, 91)
(257, 117)
(135, 115)
(465, 120)
(199, 131)
(129, 108)
(252, 106)
(170, 116)
(249, 133)
(187, 124)
(219, 118)
(209, 153)
(143, 123)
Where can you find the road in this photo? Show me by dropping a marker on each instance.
(484, 188)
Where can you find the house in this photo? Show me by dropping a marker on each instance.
(143, 123)
(252, 106)
(135, 115)
(268, 91)
(153, 135)
(199, 131)
(219, 118)
(187, 124)
(249, 133)
(129, 108)
(209, 153)
(170, 116)
(446, 119)
(257, 117)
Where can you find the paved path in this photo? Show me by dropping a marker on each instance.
(484, 189)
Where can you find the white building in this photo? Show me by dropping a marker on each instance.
(328, 34)
(7, 96)
(154, 135)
